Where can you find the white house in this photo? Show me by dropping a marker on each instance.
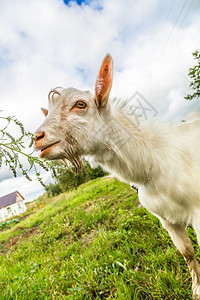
(11, 205)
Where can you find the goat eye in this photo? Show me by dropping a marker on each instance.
(80, 104)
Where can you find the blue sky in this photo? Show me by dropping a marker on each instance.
(79, 2)
(95, 4)
(49, 43)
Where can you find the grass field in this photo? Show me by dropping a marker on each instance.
(93, 243)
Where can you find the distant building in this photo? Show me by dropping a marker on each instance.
(11, 205)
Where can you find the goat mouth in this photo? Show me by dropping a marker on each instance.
(47, 148)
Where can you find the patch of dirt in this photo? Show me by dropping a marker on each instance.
(25, 216)
(89, 206)
(87, 239)
(13, 241)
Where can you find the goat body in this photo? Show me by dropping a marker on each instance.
(162, 160)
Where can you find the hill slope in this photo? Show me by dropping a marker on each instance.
(93, 243)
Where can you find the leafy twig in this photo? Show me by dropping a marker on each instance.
(12, 149)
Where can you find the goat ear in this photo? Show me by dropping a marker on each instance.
(45, 111)
(104, 81)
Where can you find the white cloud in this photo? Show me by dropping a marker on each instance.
(46, 43)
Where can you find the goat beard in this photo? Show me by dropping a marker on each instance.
(75, 160)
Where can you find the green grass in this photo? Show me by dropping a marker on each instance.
(93, 243)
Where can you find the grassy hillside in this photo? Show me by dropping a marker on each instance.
(93, 243)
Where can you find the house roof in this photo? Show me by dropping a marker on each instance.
(9, 199)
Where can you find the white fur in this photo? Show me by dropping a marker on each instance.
(162, 160)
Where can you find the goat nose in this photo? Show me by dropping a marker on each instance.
(39, 135)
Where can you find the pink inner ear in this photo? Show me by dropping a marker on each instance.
(45, 111)
(104, 80)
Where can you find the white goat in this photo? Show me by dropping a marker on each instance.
(163, 161)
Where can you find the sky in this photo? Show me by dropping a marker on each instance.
(50, 43)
